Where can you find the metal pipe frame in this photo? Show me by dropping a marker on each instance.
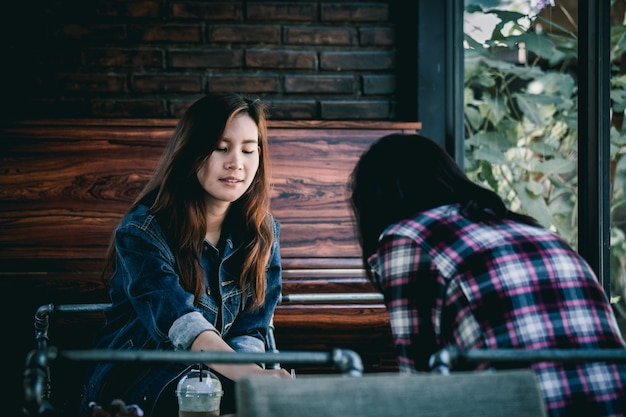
(36, 374)
(37, 381)
(448, 358)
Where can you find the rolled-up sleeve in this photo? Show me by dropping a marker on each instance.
(186, 328)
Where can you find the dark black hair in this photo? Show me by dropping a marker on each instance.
(401, 175)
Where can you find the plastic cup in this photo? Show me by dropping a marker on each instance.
(199, 394)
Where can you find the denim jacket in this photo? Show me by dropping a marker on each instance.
(150, 309)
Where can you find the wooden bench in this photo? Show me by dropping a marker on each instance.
(65, 184)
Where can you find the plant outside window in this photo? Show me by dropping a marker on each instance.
(521, 115)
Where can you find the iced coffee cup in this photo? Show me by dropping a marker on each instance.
(199, 394)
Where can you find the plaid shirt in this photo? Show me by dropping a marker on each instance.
(500, 284)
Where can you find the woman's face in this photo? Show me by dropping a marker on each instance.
(228, 172)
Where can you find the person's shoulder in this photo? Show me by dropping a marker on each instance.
(419, 222)
(270, 217)
(138, 212)
(138, 217)
(274, 222)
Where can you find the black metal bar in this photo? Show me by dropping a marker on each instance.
(593, 136)
(81, 308)
(342, 359)
(38, 362)
(446, 359)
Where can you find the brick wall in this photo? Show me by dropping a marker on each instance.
(331, 60)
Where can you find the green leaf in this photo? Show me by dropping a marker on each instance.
(487, 174)
(474, 118)
(529, 105)
(474, 44)
(618, 138)
(497, 108)
(532, 202)
(542, 148)
(618, 80)
(490, 155)
(540, 45)
(534, 188)
(562, 206)
(506, 16)
(618, 39)
(473, 8)
(553, 166)
(618, 99)
(493, 140)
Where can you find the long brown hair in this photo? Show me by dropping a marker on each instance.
(176, 198)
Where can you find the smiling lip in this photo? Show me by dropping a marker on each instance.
(231, 180)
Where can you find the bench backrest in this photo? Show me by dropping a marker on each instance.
(66, 184)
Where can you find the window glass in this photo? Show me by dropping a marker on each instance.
(521, 115)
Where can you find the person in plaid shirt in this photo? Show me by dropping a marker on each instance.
(457, 268)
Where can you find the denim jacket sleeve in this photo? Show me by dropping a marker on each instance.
(146, 278)
(249, 330)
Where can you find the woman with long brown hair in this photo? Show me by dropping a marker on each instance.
(195, 263)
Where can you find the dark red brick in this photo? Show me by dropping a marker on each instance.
(244, 83)
(379, 84)
(203, 10)
(307, 35)
(209, 58)
(270, 58)
(355, 109)
(357, 60)
(292, 109)
(176, 108)
(166, 33)
(355, 12)
(167, 83)
(320, 84)
(131, 108)
(286, 11)
(95, 83)
(244, 34)
(376, 36)
(129, 58)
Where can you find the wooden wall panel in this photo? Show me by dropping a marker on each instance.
(64, 187)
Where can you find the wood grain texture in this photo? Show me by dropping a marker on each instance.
(80, 176)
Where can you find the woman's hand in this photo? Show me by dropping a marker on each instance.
(277, 373)
(209, 341)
